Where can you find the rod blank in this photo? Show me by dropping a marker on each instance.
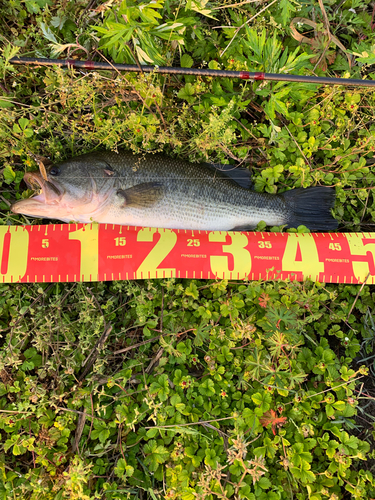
(168, 70)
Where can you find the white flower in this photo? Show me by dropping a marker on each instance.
(352, 10)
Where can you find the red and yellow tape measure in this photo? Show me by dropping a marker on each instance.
(92, 252)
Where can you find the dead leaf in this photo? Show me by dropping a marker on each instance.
(263, 299)
(270, 418)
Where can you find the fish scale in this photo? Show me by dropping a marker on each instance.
(158, 191)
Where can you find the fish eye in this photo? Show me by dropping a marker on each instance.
(54, 171)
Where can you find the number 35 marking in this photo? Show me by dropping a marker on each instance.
(264, 244)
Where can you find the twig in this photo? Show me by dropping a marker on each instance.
(154, 360)
(234, 4)
(15, 412)
(3, 87)
(74, 411)
(244, 24)
(322, 55)
(120, 432)
(162, 309)
(139, 344)
(134, 346)
(250, 133)
(220, 432)
(109, 62)
(100, 309)
(356, 298)
(92, 419)
(134, 56)
(89, 6)
(326, 22)
(94, 353)
(326, 390)
(364, 209)
(32, 451)
(242, 346)
(79, 429)
(190, 423)
(296, 143)
(5, 200)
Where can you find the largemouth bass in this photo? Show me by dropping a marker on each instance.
(157, 191)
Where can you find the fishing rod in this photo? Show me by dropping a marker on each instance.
(168, 70)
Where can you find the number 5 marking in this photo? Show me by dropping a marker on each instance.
(241, 256)
(149, 267)
(357, 245)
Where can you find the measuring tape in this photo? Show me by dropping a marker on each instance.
(92, 252)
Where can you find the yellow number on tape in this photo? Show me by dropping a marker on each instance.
(358, 247)
(16, 260)
(310, 265)
(193, 243)
(334, 246)
(149, 266)
(241, 256)
(120, 241)
(264, 244)
(89, 257)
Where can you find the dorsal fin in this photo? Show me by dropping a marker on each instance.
(239, 175)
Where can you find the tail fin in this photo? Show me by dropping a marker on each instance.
(311, 207)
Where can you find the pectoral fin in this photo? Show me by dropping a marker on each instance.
(143, 195)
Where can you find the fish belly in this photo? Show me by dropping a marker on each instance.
(196, 216)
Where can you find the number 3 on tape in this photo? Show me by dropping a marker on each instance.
(91, 252)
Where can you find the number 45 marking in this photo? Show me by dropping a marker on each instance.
(334, 246)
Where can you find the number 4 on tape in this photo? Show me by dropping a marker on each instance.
(91, 252)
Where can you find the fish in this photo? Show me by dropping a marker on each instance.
(154, 190)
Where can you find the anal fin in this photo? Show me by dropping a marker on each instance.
(244, 228)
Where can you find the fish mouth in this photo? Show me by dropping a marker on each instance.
(47, 194)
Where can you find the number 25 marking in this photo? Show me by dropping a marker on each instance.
(193, 243)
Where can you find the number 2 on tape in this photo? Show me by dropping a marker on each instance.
(158, 253)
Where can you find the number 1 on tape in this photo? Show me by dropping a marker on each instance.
(91, 252)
